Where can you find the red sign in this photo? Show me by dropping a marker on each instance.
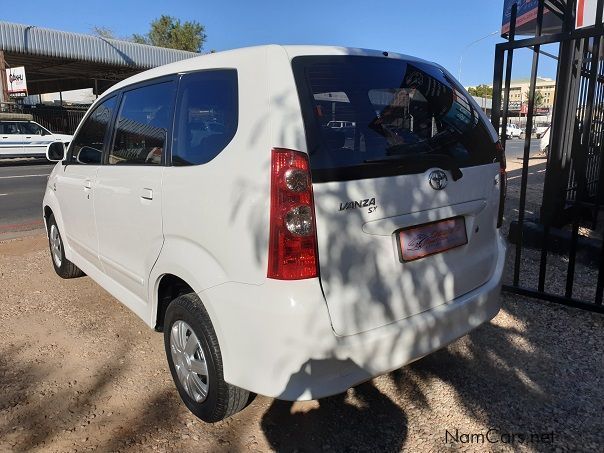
(586, 13)
(580, 13)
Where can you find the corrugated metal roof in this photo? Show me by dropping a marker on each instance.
(32, 40)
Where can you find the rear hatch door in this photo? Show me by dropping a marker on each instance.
(415, 174)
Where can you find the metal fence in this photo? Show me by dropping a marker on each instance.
(63, 120)
(566, 231)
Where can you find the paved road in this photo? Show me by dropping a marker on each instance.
(22, 185)
(514, 148)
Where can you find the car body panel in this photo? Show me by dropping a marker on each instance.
(210, 228)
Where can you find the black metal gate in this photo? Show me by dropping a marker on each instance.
(558, 254)
(62, 120)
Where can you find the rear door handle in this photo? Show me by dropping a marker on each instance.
(88, 184)
(147, 194)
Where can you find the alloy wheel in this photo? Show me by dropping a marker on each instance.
(189, 361)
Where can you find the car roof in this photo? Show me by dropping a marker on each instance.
(230, 58)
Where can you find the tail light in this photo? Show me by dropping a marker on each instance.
(503, 182)
(292, 251)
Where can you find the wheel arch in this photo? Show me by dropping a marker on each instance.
(168, 288)
(47, 212)
(183, 263)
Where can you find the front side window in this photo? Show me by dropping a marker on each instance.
(9, 128)
(206, 116)
(87, 145)
(32, 129)
(142, 125)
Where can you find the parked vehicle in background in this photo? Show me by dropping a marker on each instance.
(20, 138)
(345, 127)
(339, 124)
(544, 140)
(276, 256)
(512, 131)
(539, 131)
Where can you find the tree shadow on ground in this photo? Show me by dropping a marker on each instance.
(525, 376)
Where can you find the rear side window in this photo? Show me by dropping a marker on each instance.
(143, 122)
(362, 114)
(9, 128)
(87, 145)
(206, 116)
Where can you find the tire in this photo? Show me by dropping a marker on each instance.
(191, 343)
(63, 267)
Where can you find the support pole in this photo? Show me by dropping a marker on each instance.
(3, 81)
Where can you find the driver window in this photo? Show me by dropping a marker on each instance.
(30, 129)
(87, 146)
(142, 125)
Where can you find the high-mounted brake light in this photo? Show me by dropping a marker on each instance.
(503, 182)
(292, 251)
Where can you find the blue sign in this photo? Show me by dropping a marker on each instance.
(525, 17)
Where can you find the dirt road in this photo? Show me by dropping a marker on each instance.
(80, 372)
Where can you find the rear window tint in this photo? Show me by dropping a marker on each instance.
(363, 113)
(206, 116)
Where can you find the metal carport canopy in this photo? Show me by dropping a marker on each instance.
(59, 61)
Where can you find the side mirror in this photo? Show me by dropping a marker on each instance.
(55, 151)
(89, 155)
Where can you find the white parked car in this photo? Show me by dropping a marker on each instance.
(512, 131)
(274, 259)
(26, 139)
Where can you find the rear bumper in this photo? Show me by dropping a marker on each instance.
(277, 340)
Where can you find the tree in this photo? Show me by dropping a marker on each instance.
(481, 91)
(539, 99)
(168, 31)
(103, 32)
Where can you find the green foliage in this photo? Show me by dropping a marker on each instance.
(167, 31)
(481, 91)
(539, 99)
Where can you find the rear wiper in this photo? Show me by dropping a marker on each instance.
(444, 160)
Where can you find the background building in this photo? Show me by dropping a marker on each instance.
(519, 93)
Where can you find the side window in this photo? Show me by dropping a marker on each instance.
(87, 145)
(206, 116)
(142, 125)
(9, 128)
(30, 129)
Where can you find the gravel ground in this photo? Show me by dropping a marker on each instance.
(80, 372)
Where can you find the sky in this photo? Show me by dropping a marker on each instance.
(436, 30)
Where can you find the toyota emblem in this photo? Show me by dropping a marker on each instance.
(438, 179)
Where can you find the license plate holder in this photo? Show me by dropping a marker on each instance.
(420, 241)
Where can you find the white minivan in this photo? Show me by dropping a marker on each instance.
(276, 255)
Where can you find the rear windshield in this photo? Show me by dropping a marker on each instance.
(370, 117)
